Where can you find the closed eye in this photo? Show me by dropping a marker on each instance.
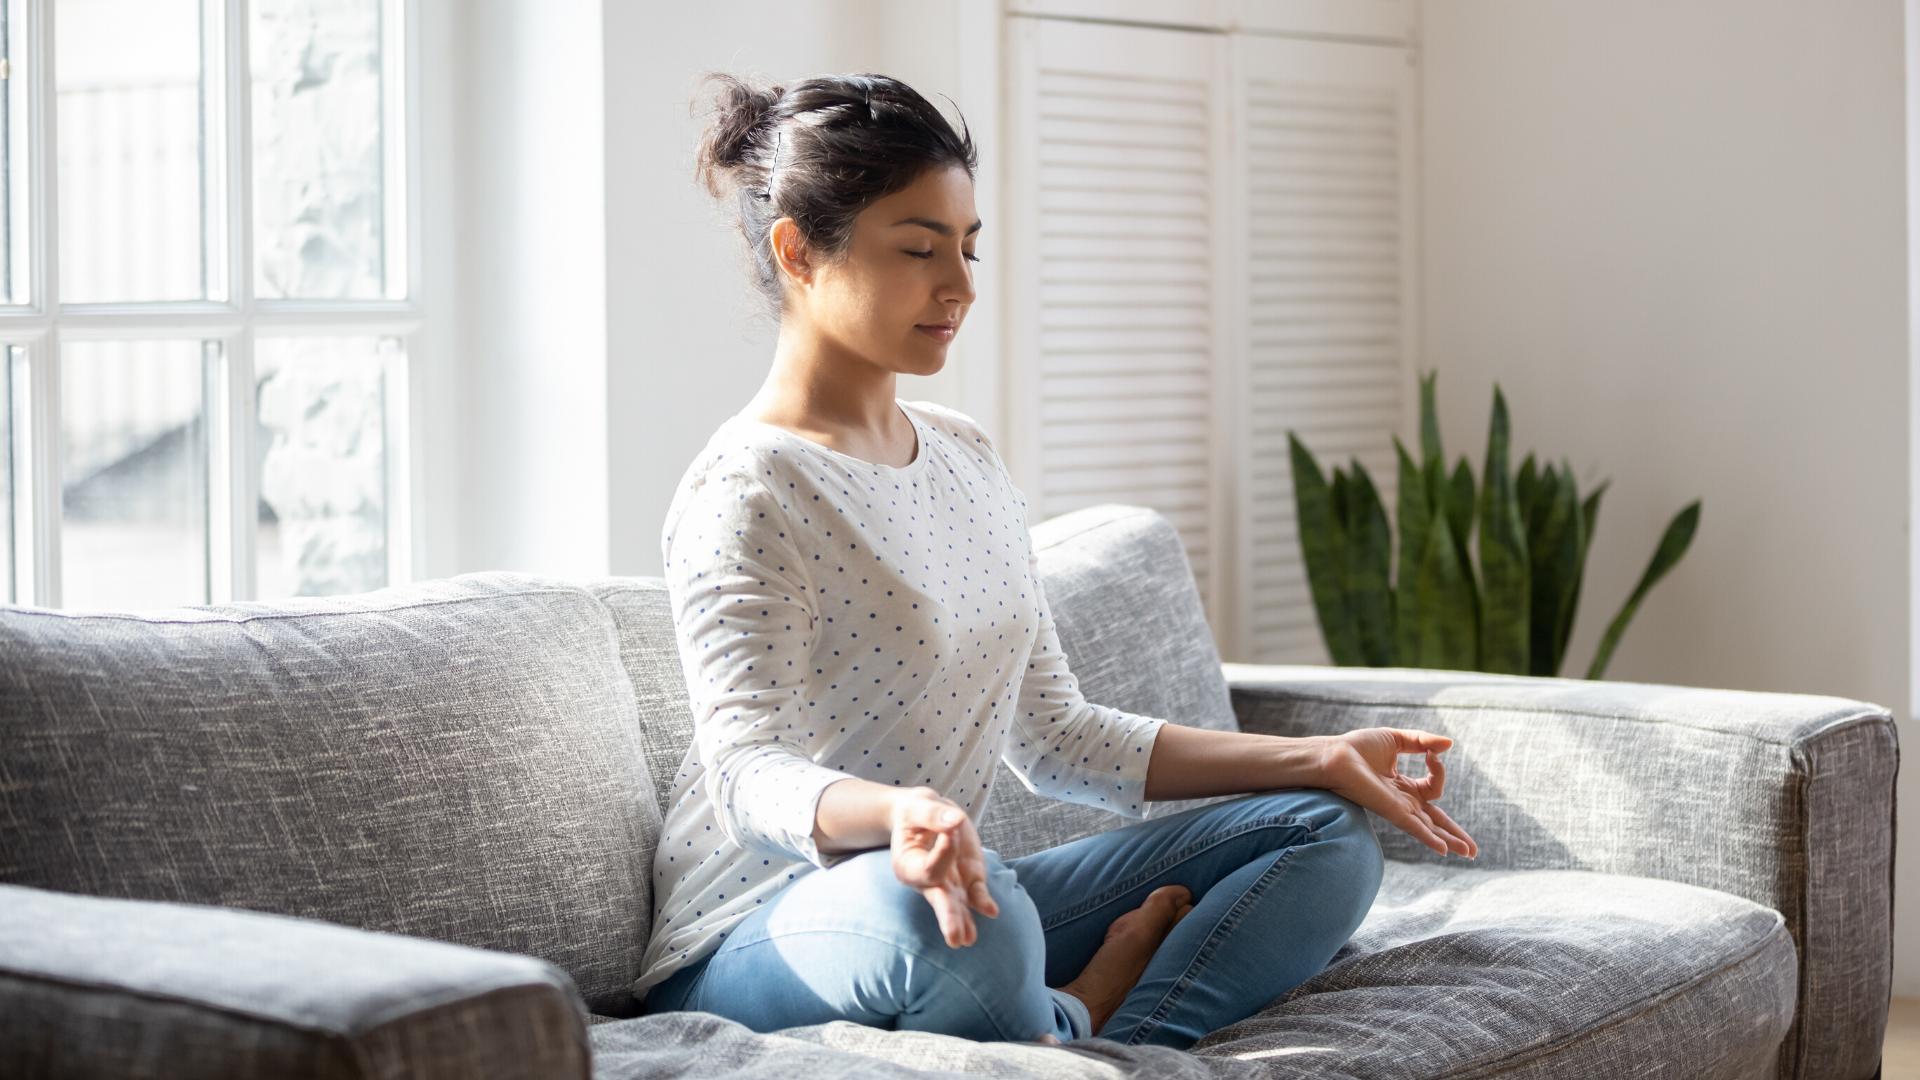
(921, 254)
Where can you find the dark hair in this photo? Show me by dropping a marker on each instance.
(820, 152)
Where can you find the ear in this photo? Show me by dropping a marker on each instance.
(789, 251)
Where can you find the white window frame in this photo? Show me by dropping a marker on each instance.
(41, 326)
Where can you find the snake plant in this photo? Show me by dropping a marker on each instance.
(1426, 607)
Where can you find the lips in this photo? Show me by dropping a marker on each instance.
(942, 332)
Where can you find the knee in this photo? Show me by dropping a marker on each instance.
(872, 889)
(1341, 829)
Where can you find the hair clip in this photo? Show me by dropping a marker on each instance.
(779, 140)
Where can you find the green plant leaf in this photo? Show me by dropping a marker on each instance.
(1505, 575)
(1524, 484)
(1429, 421)
(1460, 501)
(1555, 553)
(1589, 510)
(1369, 548)
(1673, 545)
(1323, 548)
(1460, 511)
(1415, 522)
(1443, 607)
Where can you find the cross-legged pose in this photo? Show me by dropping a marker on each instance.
(865, 641)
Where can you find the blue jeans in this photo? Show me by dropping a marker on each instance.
(1280, 881)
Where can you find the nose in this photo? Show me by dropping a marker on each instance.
(956, 285)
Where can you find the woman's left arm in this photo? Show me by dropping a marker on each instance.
(1361, 766)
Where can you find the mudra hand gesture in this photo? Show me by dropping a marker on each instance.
(937, 852)
(1364, 767)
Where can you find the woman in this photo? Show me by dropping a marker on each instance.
(865, 638)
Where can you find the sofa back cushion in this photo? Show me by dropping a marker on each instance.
(652, 657)
(455, 760)
(1131, 624)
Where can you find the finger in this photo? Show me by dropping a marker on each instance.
(935, 815)
(956, 922)
(1411, 821)
(1409, 741)
(1436, 774)
(1467, 847)
(941, 858)
(981, 899)
(972, 864)
(1426, 788)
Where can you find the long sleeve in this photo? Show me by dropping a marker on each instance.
(1066, 747)
(745, 613)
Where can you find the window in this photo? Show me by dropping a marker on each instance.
(207, 291)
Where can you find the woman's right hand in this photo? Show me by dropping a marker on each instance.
(937, 853)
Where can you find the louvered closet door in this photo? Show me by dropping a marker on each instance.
(1326, 131)
(1116, 177)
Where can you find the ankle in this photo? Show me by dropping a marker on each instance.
(1100, 1007)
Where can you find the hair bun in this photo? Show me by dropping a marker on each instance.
(742, 118)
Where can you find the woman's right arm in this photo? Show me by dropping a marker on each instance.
(743, 609)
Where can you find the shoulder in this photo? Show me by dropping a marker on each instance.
(736, 474)
(958, 429)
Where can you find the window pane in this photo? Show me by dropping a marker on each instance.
(319, 193)
(130, 126)
(134, 456)
(13, 153)
(14, 357)
(323, 472)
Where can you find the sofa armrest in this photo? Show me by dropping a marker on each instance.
(99, 987)
(1784, 799)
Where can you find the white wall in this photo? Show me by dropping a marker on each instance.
(685, 348)
(529, 372)
(1676, 235)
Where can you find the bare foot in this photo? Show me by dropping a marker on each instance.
(1131, 940)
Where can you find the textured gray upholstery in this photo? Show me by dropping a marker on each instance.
(690, 1045)
(1130, 622)
(1456, 973)
(1553, 974)
(454, 760)
(1782, 799)
(91, 987)
(652, 659)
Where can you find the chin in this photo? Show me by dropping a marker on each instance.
(925, 365)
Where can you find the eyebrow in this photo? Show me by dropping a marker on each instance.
(940, 227)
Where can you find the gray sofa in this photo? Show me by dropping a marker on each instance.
(409, 834)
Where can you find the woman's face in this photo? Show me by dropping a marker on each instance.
(898, 295)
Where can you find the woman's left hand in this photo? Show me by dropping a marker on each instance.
(1364, 767)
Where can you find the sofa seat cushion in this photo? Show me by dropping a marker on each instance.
(455, 760)
(1540, 973)
(1456, 973)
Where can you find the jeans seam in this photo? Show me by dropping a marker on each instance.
(1221, 930)
(909, 950)
(1184, 854)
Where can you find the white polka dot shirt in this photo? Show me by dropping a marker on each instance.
(837, 619)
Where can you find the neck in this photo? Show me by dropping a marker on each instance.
(825, 392)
